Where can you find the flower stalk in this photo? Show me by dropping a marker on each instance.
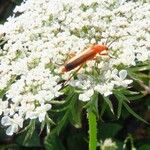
(92, 130)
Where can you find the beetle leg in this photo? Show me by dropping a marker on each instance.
(73, 74)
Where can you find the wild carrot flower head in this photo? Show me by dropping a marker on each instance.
(37, 41)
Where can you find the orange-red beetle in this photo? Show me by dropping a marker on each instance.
(84, 56)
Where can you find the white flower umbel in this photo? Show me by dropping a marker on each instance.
(46, 33)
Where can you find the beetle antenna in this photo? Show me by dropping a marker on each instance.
(113, 41)
(106, 41)
(116, 40)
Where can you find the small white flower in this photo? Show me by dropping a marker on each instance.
(86, 96)
(120, 80)
(109, 144)
(39, 112)
(122, 1)
(42, 110)
(105, 89)
(143, 55)
(14, 123)
(3, 106)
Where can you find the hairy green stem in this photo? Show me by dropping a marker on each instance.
(92, 130)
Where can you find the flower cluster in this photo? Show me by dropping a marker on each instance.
(42, 34)
(109, 144)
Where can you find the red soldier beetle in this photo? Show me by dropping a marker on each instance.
(83, 57)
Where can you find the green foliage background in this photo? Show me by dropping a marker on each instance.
(127, 131)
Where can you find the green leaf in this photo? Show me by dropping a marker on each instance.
(145, 147)
(130, 139)
(2, 92)
(119, 144)
(133, 113)
(75, 109)
(26, 128)
(76, 141)
(42, 126)
(119, 94)
(109, 103)
(139, 68)
(49, 120)
(30, 131)
(134, 75)
(120, 100)
(52, 142)
(10, 147)
(93, 104)
(62, 123)
(30, 137)
(59, 110)
(135, 97)
(103, 108)
(57, 102)
(127, 92)
(131, 95)
(108, 130)
(138, 76)
(119, 108)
